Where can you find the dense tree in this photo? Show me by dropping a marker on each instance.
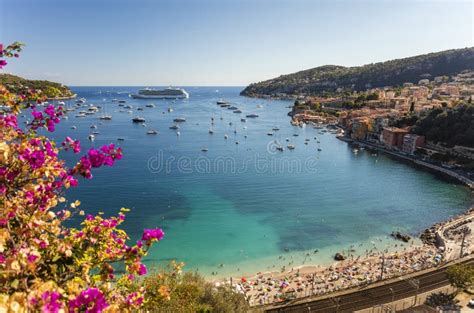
(52, 92)
(441, 299)
(452, 126)
(461, 276)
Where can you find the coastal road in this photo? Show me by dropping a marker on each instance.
(397, 289)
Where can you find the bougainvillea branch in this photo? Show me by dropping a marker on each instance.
(44, 265)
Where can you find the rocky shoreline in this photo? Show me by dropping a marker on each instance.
(431, 236)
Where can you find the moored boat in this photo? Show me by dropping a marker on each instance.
(138, 119)
(167, 93)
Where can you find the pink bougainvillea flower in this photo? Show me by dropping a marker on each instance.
(50, 110)
(32, 258)
(91, 300)
(142, 270)
(153, 234)
(51, 302)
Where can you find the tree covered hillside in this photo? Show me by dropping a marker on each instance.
(329, 78)
(18, 84)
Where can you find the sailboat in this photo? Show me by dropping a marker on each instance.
(105, 116)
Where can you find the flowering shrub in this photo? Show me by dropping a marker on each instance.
(171, 290)
(44, 265)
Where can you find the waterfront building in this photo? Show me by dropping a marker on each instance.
(360, 127)
(392, 137)
(411, 142)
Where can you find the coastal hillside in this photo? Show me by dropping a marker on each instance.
(329, 79)
(18, 84)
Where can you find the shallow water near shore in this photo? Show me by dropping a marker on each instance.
(237, 208)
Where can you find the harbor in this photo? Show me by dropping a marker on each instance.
(195, 163)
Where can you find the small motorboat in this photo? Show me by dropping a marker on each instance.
(120, 139)
(122, 101)
(176, 127)
(238, 111)
(291, 147)
(204, 149)
(105, 117)
(211, 131)
(221, 102)
(170, 110)
(91, 137)
(152, 132)
(93, 126)
(150, 105)
(253, 115)
(138, 119)
(232, 108)
(279, 148)
(270, 134)
(73, 127)
(225, 136)
(275, 129)
(179, 120)
(243, 120)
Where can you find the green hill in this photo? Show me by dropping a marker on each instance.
(331, 78)
(18, 84)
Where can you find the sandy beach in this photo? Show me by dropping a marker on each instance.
(357, 271)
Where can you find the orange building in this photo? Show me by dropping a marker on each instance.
(392, 137)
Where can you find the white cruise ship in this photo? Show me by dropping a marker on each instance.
(168, 93)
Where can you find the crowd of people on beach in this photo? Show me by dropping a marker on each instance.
(355, 271)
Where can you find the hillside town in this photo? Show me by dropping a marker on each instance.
(381, 117)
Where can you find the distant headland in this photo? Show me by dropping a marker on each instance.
(52, 90)
(333, 80)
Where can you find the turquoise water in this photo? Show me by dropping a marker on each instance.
(243, 205)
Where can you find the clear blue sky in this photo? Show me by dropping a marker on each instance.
(220, 42)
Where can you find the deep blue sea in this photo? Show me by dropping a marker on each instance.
(244, 205)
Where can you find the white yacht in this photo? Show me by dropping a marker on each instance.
(168, 93)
